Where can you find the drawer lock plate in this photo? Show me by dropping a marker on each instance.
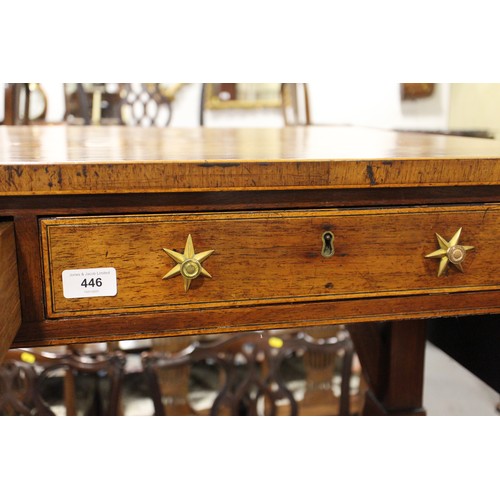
(328, 249)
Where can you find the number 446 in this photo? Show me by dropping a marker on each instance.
(92, 282)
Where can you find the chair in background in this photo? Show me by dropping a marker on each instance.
(25, 103)
(257, 373)
(327, 375)
(65, 382)
(92, 104)
(144, 104)
(295, 104)
(174, 383)
(132, 104)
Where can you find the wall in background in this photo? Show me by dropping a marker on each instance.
(475, 106)
(378, 104)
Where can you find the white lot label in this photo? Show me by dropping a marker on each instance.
(99, 282)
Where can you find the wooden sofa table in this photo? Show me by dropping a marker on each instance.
(111, 233)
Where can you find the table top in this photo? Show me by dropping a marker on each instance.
(61, 159)
(92, 144)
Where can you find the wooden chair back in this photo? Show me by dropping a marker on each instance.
(34, 382)
(144, 104)
(24, 104)
(251, 368)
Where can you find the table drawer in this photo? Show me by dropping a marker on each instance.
(264, 257)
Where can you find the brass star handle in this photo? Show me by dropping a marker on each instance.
(450, 251)
(188, 263)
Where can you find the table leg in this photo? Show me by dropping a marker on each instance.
(392, 358)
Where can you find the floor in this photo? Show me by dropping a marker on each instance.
(450, 389)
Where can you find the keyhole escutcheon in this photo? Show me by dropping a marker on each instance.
(328, 249)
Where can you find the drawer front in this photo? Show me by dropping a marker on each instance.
(266, 257)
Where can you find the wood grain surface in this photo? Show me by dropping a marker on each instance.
(10, 306)
(269, 257)
(90, 160)
(100, 328)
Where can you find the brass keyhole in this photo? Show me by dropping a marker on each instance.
(328, 249)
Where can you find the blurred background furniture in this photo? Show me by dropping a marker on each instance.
(91, 103)
(24, 103)
(141, 104)
(295, 104)
(61, 381)
(276, 372)
(144, 104)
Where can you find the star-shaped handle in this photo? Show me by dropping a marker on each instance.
(450, 251)
(188, 264)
